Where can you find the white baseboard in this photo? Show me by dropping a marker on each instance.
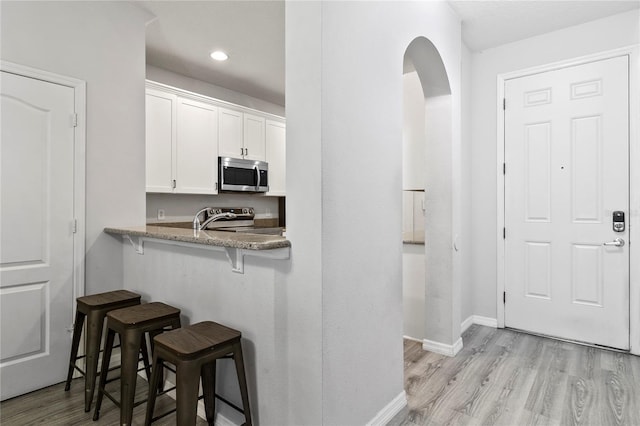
(442, 348)
(412, 339)
(385, 415)
(486, 321)
(480, 320)
(466, 324)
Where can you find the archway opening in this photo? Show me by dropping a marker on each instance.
(428, 289)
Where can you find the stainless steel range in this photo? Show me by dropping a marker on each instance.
(231, 219)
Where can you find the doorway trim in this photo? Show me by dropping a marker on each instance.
(79, 165)
(634, 179)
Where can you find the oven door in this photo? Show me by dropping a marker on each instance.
(239, 175)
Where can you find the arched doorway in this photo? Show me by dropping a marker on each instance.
(430, 293)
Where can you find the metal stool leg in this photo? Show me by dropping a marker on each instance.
(95, 322)
(75, 343)
(188, 379)
(242, 381)
(209, 389)
(131, 341)
(104, 370)
(153, 388)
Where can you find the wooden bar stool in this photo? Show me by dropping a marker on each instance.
(132, 324)
(194, 351)
(94, 307)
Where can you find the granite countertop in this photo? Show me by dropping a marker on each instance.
(237, 240)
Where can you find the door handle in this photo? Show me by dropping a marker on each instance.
(618, 242)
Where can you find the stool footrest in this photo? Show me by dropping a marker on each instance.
(226, 401)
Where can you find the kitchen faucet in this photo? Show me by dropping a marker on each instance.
(211, 217)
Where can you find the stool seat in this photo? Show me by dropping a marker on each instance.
(94, 307)
(132, 324)
(108, 299)
(193, 340)
(194, 351)
(142, 315)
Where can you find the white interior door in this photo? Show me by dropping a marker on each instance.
(567, 171)
(36, 243)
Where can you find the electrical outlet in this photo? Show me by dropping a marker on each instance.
(160, 214)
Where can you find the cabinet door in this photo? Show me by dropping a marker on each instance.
(160, 134)
(230, 141)
(254, 133)
(196, 148)
(275, 144)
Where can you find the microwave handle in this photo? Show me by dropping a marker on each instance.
(257, 169)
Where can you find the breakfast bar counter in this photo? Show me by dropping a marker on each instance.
(236, 245)
(233, 278)
(245, 241)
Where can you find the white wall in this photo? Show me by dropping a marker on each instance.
(344, 108)
(413, 133)
(413, 291)
(301, 284)
(102, 43)
(197, 86)
(596, 36)
(467, 280)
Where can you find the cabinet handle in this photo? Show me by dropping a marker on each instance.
(216, 186)
(246, 151)
(173, 184)
(241, 151)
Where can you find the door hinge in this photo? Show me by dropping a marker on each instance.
(504, 297)
(504, 233)
(504, 168)
(74, 226)
(504, 104)
(74, 120)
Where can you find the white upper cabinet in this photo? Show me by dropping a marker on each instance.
(181, 144)
(196, 148)
(230, 139)
(254, 133)
(275, 144)
(160, 137)
(187, 132)
(241, 135)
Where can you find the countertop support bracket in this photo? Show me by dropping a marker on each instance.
(137, 243)
(236, 259)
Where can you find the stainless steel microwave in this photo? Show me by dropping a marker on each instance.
(240, 175)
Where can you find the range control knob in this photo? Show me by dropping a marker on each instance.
(251, 211)
(245, 210)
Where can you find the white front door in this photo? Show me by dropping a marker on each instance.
(567, 172)
(36, 242)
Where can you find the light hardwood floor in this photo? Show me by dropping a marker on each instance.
(503, 377)
(54, 406)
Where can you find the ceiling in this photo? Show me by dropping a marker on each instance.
(487, 24)
(252, 33)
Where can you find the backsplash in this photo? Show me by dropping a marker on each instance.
(182, 207)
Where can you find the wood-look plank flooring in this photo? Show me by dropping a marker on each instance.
(54, 406)
(503, 377)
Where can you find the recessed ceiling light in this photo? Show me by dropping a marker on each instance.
(219, 55)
